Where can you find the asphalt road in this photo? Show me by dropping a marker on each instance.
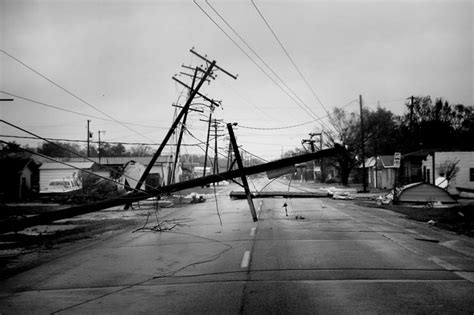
(326, 256)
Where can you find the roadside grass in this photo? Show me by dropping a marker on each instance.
(459, 219)
(20, 252)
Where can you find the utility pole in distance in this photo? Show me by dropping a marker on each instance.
(412, 98)
(211, 109)
(215, 125)
(100, 150)
(88, 138)
(364, 178)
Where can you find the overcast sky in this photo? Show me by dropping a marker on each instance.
(119, 58)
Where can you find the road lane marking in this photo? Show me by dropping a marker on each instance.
(252, 231)
(245, 260)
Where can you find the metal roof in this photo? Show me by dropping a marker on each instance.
(107, 160)
(58, 165)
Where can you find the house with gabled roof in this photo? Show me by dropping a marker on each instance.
(380, 171)
(18, 178)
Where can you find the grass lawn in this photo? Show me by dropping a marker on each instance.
(459, 219)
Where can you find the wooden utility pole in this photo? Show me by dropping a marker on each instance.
(216, 157)
(172, 129)
(215, 125)
(88, 138)
(311, 142)
(229, 155)
(180, 137)
(412, 98)
(207, 73)
(364, 176)
(245, 184)
(100, 150)
(207, 139)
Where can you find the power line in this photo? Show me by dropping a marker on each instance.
(62, 148)
(289, 57)
(293, 126)
(70, 93)
(85, 141)
(250, 57)
(77, 113)
(306, 108)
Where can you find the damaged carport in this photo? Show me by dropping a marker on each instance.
(424, 193)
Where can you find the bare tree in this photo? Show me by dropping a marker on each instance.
(449, 169)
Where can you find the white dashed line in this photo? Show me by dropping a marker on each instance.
(245, 260)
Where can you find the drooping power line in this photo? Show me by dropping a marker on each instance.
(71, 93)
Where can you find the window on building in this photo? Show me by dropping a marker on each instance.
(471, 174)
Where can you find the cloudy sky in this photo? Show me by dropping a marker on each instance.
(112, 62)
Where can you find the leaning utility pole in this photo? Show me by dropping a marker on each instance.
(180, 137)
(245, 183)
(194, 92)
(171, 130)
(364, 179)
(207, 139)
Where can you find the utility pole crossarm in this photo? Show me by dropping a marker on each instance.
(198, 69)
(191, 109)
(207, 60)
(201, 95)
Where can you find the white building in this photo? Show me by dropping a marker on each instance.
(464, 179)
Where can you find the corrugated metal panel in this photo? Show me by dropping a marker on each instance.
(144, 160)
(61, 166)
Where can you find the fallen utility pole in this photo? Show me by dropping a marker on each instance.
(45, 218)
(284, 194)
